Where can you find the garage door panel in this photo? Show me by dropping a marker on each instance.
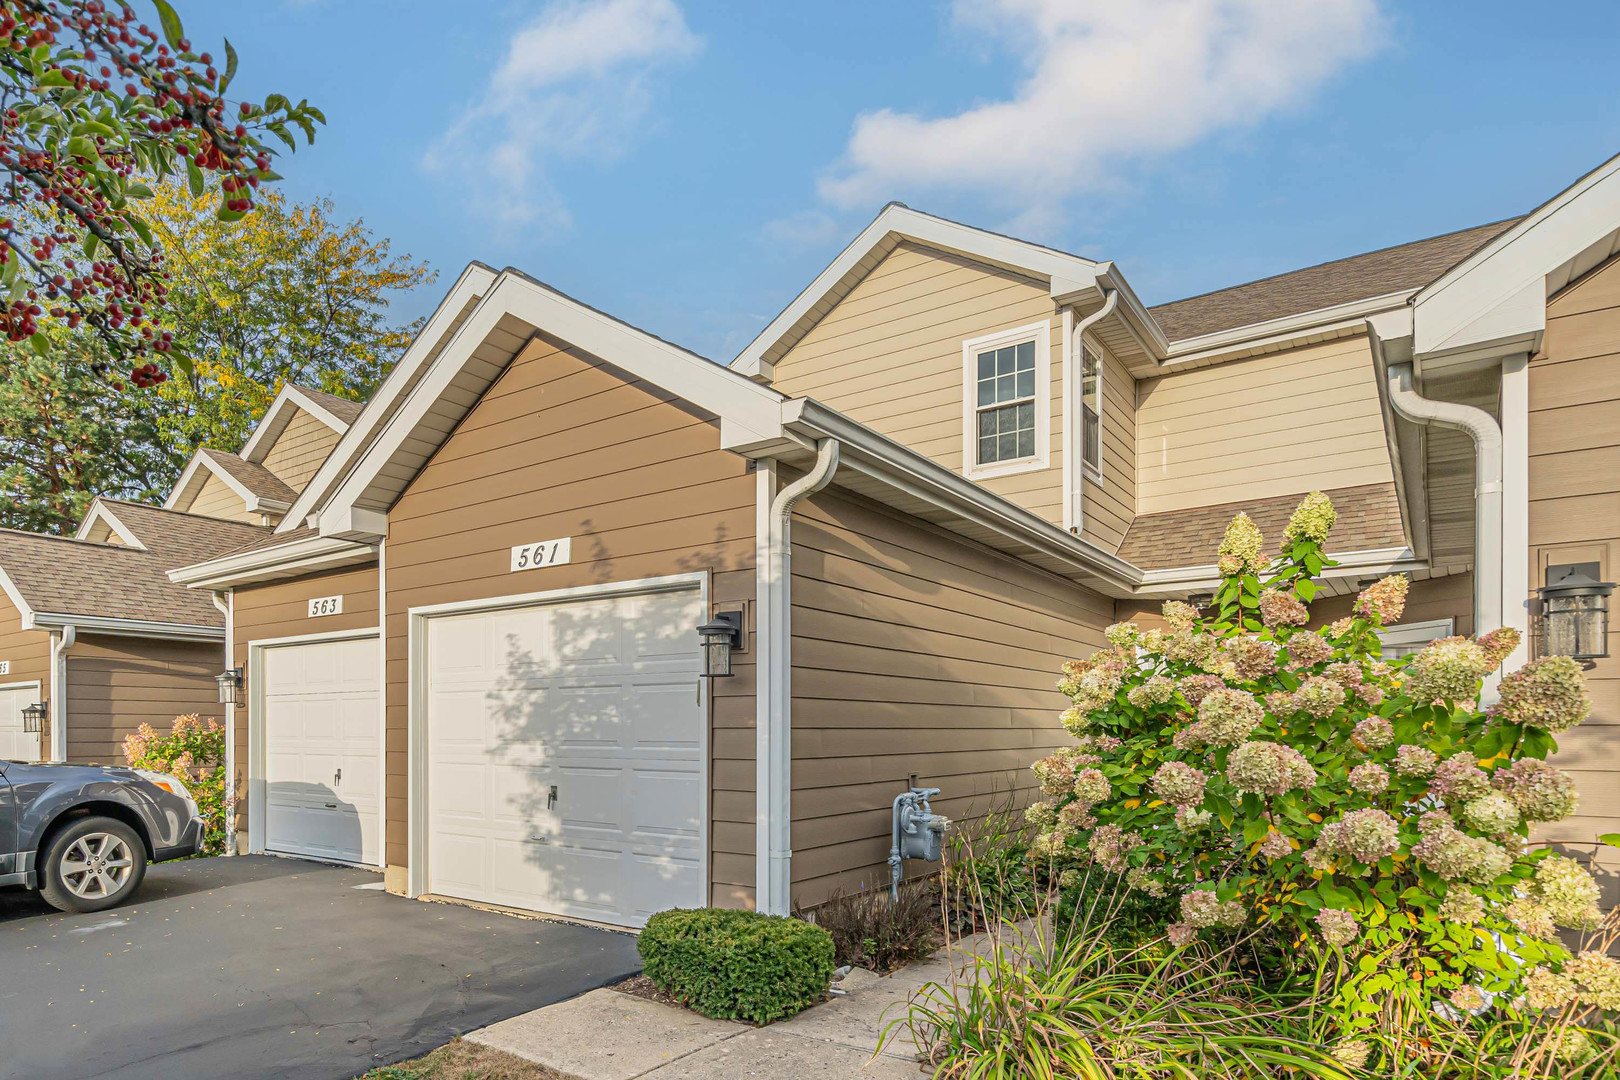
(596, 697)
(320, 712)
(15, 743)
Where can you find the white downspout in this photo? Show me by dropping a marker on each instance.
(1074, 439)
(61, 641)
(773, 749)
(1515, 410)
(225, 602)
(1487, 436)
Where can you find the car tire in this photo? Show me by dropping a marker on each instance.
(93, 864)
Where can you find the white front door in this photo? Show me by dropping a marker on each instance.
(565, 756)
(321, 763)
(15, 743)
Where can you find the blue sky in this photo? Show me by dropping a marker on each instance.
(689, 165)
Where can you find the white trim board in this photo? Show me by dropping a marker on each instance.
(100, 511)
(1041, 334)
(273, 423)
(416, 704)
(203, 459)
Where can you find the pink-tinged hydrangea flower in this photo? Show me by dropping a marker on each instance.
(1190, 819)
(1226, 717)
(1312, 520)
(1179, 615)
(1546, 989)
(1268, 768)
(1253, 658)
(1372, 695)
(1282, 609)
(1459, 778)
(1181, 934)
(1542, 792)
(1347, 675)
(1456, 856)
(1153, 693)
(1598, 977)
(1091, 786)
(1308, 650)
(1189, 647)
(1122, 635)
(1531, 919)
(1244, 541)
(1571, 1045)
(1319, 696)
(1449, 668)
(1096, 688)
(1494, 814)
(1179, 784)
(1041, 815)
(1469, 998)
(1373, 733)
(1282, 703)
(1499, 645)
(1102, 744)
(1069, 681)
(1055, 772)
(1202, 907)
(1229, 565)
(1369, 779)
(1365, 835)
(1340, 627)
(1075, 817)
(1275, 845)
(1462, 906)
(1195, 688)
(1049, 845)
(1338, 927)
(1352, 1052)
(1073, 720)
(1568, 892)
(1151, 641)
(1138, 878)
(1384, 600)
(1110, 844)
(1413, 760)
(1549, 693)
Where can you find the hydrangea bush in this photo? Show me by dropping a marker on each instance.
(1264, 777)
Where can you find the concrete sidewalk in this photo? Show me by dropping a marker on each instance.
(606, 1035)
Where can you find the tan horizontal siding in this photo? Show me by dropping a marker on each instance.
(216, 499)
(915, 652)
(1575, 517)
(564, 445)
(301, 448)
(1275, 425)
(29, 652)
(889, 355)
(116, 684)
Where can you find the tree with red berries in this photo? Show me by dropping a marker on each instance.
(94, 103)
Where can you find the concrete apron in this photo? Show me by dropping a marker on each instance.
(606, 1035)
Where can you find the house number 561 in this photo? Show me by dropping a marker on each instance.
(542, 553)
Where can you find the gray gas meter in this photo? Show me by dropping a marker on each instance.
(916, 833)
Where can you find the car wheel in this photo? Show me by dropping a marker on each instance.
(93, 864)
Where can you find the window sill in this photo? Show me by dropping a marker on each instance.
(1004, 468)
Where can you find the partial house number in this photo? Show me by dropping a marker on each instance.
(325, 605)
(5, 667)
(542, 553)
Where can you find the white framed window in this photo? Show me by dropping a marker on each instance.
(1091, 376)
(1006, 401)
(1404, 638)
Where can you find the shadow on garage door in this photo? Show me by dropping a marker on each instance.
(265, 967)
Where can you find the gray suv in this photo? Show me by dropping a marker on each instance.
(83, 834)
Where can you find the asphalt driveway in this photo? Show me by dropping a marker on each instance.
(265, 967)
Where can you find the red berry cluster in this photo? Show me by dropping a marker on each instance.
(148, 375)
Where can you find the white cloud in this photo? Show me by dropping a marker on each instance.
(575, 83)
(1104, 85)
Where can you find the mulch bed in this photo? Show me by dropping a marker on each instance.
(642, 987)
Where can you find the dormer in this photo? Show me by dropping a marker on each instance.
(287, 447)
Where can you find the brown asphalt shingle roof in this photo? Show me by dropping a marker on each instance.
(1369, 517)
(80, 577)
(342, 408)
(253, 476)
(1360, 277)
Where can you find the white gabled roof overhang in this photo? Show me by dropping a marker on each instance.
(1072, 279)
(281, 410)
(1495, 301)
(101, 513)
(305, 555)
(203, 465)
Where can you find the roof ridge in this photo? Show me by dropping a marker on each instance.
(27, 534)
(1343, 258)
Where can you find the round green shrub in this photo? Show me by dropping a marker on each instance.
(737, 965)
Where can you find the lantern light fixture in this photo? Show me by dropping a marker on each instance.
(34, 716)
(1574, 616)
(231, 686)
(717, 638)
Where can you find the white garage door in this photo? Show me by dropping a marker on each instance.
(15, 743)
(566, 757)
(321, 764)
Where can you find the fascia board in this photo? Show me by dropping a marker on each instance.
(100, 511)
(16, 597)
(475, 279)
(271, 425)
(729, 395)
(308, 554)
(101, 624)
(186, 477)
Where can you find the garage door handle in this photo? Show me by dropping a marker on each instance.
(539, 838)
(331, 806)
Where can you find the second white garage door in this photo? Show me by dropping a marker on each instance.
(565, 747)
(321, 764)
